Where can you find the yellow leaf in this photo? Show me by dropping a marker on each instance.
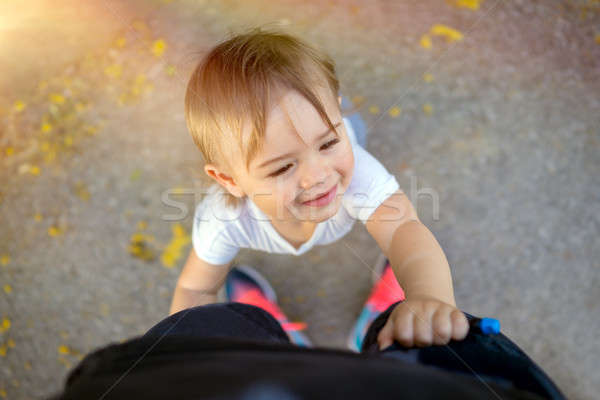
(173, 251)
(90, 129)
(54, 231)
(120, 42)
(19, 106)
(135, 175)
(450, 34)
(4, 259)
(5, 325)
(3, 393)
(57, 98)
(425, 41)
(139, 247)
(38, 217)
(46, 127)
(427, 109)
(374, 110)
(62, 349)
(470, 4)
(9, 151)
(7, 288)
(358, 99)
(68, 141)
(597, 38)
(3, 350)
(79, 107)
(158, 47)
(34, 170)
(394, 111)
(81, 191)
(427, 77)
(10, 343)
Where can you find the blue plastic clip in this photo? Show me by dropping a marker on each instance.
(485, 325)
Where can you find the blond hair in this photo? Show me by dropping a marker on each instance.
(234, 84)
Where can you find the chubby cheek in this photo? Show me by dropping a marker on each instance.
(281, 193)
(345, 166)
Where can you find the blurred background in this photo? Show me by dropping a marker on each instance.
(488, 108)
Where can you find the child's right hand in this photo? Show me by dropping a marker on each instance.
(423, 321)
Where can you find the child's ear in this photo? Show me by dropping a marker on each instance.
(340, 100)
(224, 180)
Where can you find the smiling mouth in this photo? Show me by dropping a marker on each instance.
(320, 196)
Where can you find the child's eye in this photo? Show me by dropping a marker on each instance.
(281, 170)
(329, 144)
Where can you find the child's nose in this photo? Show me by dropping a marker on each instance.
(315, 172)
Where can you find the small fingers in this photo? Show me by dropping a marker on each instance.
(403, 328)
(460, 325)
(423, 333)
(442, 326)
(385, 338)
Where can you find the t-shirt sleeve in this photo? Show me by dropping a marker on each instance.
(371, 185)
(211, 237)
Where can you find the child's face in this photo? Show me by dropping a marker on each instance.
(313, 161)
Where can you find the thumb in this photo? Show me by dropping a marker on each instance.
(385, 338)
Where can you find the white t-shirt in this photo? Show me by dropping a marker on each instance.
(219, 231)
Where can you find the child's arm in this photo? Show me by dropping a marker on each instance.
(429, 314)
(198, 283)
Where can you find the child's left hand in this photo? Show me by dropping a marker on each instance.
(423, 321)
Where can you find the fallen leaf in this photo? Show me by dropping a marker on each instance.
(5, 325)
(374, 110)
(173, 251)
(394, 111)
(470, 4)
(450, 34)
(57, 98)
(427, 109)
(19, 106)
(54, 231)
(4, 259)
(158, 47)
(425, 41)
(120, 42)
